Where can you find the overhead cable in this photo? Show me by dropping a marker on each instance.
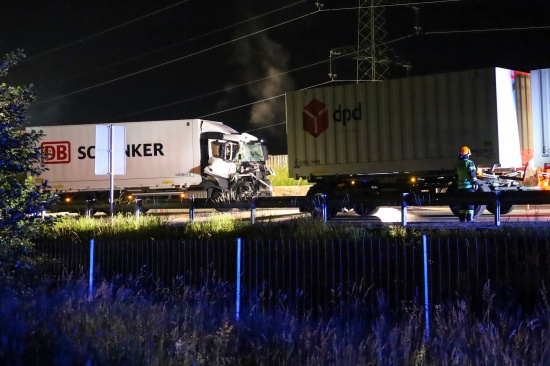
(264, 127)
(393, 5)
(172, 61)
(217, 92)
(243, 105)
(106, 30)
(181, 43)
(489, 30)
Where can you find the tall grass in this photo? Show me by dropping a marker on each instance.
(123, 326)
(218, 226)
(281, 177)
(121, 226)
(227, 226)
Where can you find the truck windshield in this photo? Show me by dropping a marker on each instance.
(250, 152)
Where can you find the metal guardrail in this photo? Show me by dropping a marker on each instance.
(403, 200)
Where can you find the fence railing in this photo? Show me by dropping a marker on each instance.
(277, 160)
(321, 274)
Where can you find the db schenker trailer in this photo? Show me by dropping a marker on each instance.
(361, 142)
(173, 158)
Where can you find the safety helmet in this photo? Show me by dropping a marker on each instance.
(465, 151)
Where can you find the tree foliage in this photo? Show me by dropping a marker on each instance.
(21, 198)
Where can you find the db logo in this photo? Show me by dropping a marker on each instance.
(58, 152)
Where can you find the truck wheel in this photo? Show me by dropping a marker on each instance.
(243, 191)
(220, 199)
(478, 209)
(315, 199)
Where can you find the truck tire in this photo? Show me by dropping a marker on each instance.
(221, 200)
(478, 209)
(243, 191)
(315, 198)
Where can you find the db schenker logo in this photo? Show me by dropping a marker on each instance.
(57, 152)
(315, 116)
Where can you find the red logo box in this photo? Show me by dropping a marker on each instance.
(58, 152)
(315, 117)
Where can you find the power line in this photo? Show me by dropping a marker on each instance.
(181, 43)
(264, 127)
(243, 105)
(218, 91)
(257, 102)
(261, 101)
(419, 3)
(106, 30)
(172, 61)
(321, 84)
(393, 5)
(489, 30)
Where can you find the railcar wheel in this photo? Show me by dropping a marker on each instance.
(504, 209)
(364, 210)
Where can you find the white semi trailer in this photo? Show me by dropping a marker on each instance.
(193, 157)
(358, 142)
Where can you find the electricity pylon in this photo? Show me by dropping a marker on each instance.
(372, 54)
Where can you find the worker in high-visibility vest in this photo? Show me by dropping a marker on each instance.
(467, 182)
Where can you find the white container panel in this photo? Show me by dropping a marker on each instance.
(160, 154)
(522, 88)
(413, 124)
(508, 132)
(540, 92)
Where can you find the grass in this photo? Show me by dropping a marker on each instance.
(122, 325)
(218, 226)
(281, 177)
(227, 226)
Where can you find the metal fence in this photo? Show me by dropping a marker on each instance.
(322, 274)
(277, 161)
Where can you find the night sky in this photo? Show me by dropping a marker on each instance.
(115, 61)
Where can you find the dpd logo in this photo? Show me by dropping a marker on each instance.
(315, 118)
(58, 152)
(344, 115)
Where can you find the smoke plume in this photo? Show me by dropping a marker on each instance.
(258, 57)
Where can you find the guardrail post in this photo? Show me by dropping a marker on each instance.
(497, 209)
(238, 284)
(324, 207)
(91, 272)
(192, 209)
(253, 210)
(404, 209)
(139, 207)
(426, 286)
(89, 207)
